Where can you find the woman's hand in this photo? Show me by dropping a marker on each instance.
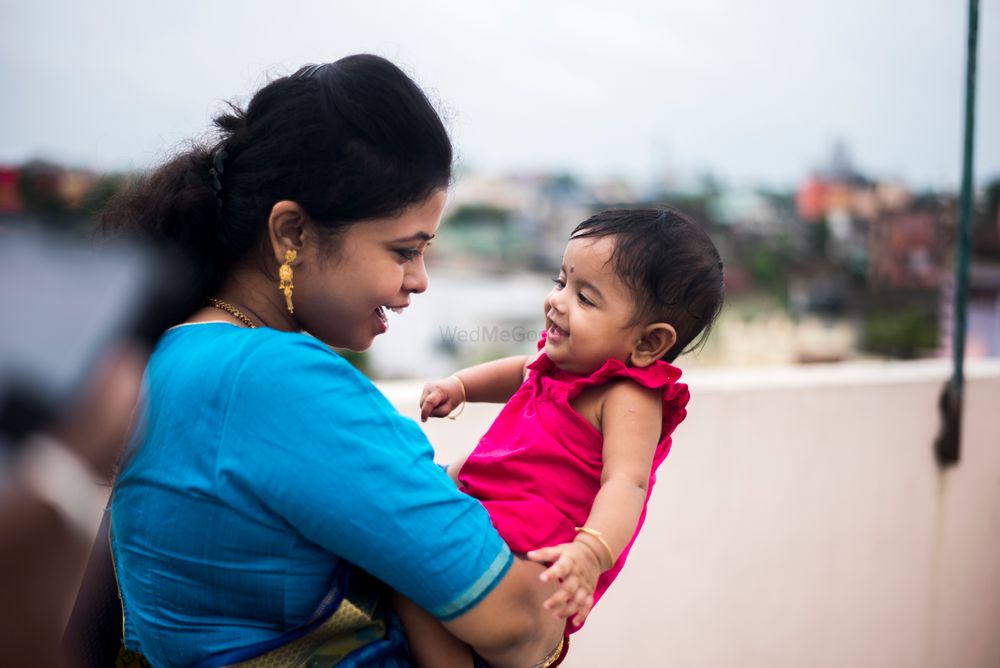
(576, 567)
(440, 397)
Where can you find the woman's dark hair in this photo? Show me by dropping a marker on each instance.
(348, 141)
(670, 265)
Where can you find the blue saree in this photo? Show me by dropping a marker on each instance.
(265, 467)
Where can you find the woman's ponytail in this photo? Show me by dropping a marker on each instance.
(174, 206)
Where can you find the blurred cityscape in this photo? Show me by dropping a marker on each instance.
(844, 266)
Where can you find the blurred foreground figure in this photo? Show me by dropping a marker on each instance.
(77, 326)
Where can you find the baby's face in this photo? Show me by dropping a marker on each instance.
(588, 311)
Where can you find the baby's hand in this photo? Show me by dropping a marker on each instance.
(577, 567)
(440, 397)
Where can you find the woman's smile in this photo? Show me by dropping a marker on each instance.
(381, 312)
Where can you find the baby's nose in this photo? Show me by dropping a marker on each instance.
(554, 301)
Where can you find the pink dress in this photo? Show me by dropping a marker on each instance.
(538, 467)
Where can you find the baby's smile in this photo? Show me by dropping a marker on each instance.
(556, 333)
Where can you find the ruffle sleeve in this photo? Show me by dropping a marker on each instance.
(657, 376)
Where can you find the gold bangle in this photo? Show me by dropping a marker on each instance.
(599, 536)
(554, 655)
(461, 406)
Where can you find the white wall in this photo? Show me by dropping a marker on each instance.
(801, 520)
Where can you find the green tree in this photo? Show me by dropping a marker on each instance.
(477, 214)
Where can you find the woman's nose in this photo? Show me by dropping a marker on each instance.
(416, 279)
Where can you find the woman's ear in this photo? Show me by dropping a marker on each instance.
(655, 341)
(286, 228)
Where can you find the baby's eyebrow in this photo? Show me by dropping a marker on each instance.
(590, 286)
(583, 282)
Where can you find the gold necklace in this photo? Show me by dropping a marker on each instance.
(233, 311)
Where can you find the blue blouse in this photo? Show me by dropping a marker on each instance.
(267, 461)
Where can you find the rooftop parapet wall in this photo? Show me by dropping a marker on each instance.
(801, 520)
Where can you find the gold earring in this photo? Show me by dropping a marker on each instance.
(285, 278)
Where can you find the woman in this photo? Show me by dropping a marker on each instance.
(270, 472)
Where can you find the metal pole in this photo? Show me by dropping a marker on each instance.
(948, 444)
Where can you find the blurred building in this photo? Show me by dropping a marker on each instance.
(982, 336)
(836, 189)
(910, 248)
(751, 211)
(45, 194)
(513, 222)
(11, 200)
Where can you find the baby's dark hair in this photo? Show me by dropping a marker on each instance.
(669, 263)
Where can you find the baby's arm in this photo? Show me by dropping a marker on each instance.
(495, 381)
(631, 420)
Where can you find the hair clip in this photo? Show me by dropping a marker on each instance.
(218, 166)
(310, 71)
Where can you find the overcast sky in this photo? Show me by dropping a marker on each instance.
(753, 91)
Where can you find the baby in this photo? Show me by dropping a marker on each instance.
(566, 469)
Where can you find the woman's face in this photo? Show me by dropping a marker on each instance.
(344, 290)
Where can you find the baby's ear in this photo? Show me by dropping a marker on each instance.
(656, 340)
